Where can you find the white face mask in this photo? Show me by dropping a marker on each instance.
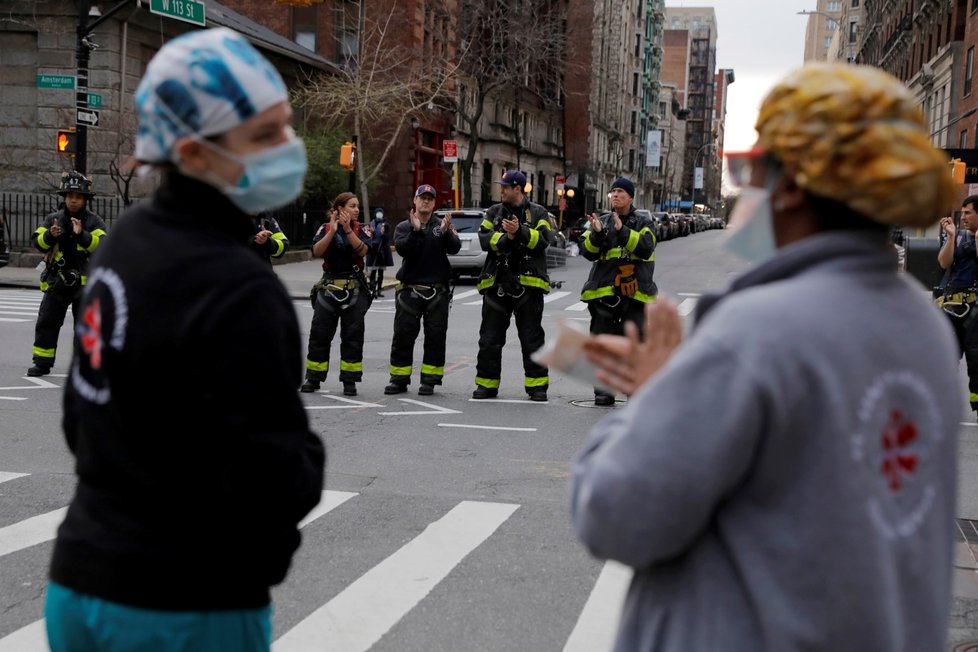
(751, 226)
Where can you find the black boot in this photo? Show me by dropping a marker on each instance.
(349, 389)
(309, 386)
(39, 370)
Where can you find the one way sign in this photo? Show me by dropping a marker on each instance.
(88, 117)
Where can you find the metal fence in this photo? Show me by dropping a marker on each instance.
(25, 211)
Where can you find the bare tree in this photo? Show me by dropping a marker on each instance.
(378, 89)
(514, 51)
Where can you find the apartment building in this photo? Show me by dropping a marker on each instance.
(823, 24)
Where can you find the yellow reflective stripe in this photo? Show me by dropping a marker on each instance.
(317, 366)
(486, 224)
(543, 224)
(432, 370)
(587, 243)
(974, 398)
(96, 238)
(536, 382)
(43, 353)
(279, 239)
(41, 232)
(486, 283)
(44, 286)
(612, 253)
(607, 291)
(351, 366)
(400, 371)
(632, 241)
(535, 282)
(490, 383)
(534, 238)
(494, 240)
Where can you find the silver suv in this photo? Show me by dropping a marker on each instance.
(470, 258)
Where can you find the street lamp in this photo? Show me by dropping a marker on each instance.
(561, 193)
(696, 158)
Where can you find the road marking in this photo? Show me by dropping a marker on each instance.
(598, 623)
(432, 409)
(13, 398)
(579, 306)
(462, 295)
(33, 637)
(475, 427)
(553, 296)
(473, 303)
(6, 475)
(350, 403)
(687, 306)
(31, 531)
(36, 383)
(364, 611)
(14, 321)
(688, 294)
(518, 401)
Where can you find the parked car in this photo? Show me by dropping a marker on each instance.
(641, 212)
(576, 231)
(663, 226)
(684, 222)
(470, 258)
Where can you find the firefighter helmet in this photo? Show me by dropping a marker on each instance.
(75, 182)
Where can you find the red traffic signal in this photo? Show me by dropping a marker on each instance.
(67, 142)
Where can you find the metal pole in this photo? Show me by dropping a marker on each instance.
(81, 85)
(353, 169)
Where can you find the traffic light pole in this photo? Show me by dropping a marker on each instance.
(353, 170)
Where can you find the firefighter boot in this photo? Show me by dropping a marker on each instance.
(309, 386)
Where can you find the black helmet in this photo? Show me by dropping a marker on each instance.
(75, 182)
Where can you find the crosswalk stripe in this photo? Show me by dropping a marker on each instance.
(580, 305)
(596, 627)
(553, 296)
(31, 531)
(6, 475)
(363, 612)
(687, 306)
(18, 311)
(33, 637)
(13, 321)
(462, 295)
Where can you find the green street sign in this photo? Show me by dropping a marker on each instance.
(94, 101)
(55, 81)
(191, 11)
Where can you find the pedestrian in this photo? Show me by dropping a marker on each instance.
(340, 298)
(424, 293)
(268, 242)
(785, 479)
(957, 294)
(194, 455)
(68, 237)
(379, 257)
(621, 246)
(515, 234)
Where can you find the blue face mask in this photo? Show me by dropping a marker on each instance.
(272, 177)
(751, 234)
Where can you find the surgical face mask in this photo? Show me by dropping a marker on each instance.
(751, 226)
(272, 177)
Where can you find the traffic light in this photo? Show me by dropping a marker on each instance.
(348, 156)
(957, 167)
(67, 142)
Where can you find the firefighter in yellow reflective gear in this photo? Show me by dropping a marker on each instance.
(67, 238)
(516, 234)
(621, 246)
(268, 242)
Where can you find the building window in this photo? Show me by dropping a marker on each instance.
(635, 84)
(855, 3)
(634, 122)
(974, 5)
(638, 45)
(827, 42)
(347, 47)
(963, 139)
(304, 22)
(831, 24)
(631, 160)
(853, 32)
(833, 6)
(969, 70)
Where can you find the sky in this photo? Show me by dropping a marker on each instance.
(762, 40)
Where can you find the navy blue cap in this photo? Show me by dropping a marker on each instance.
(425, 189)
(512, 178)
(624, 184)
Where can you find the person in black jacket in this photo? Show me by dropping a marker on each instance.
(424, 243)
(268, 242)
(194, 455)
(67, 238)
(621, 246)
(515, 233)
(379, 257)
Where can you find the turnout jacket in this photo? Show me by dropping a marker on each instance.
(73, 250)
(276, 245)
(522, 260)
(339, 259)
(193, 451)
(425, 252)
(806, 466)
(617, 255)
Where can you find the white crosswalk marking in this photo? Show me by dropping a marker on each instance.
(5, 475)
(687, 306)
(553, 296)
(462, 295)
(13, 321)
(598, 622)
(363, 612)
(580, 305)
(33, 637)
(31, 531)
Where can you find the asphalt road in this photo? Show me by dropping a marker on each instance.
(445, 525)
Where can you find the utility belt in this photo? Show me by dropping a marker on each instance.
(957, 304)
(430, 295)
(336, 293)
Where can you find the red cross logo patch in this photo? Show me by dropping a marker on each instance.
(898, 460)
(91, 333)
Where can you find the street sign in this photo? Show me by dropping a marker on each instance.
(560, 182)
(55, 81)
(449, 150)
(88, 117)
(94, 101)
(190, 11)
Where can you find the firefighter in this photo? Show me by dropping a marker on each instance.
(515, 234)
(957, 295)
(268, 242)
(621, 246)
(340, 298)
(424, 293)
(67, 238)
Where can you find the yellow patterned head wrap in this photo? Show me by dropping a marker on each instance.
(854, 134)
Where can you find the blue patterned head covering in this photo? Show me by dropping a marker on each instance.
(202, 83)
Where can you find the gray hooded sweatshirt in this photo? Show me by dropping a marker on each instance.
(788, 480)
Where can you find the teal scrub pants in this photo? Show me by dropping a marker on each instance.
(81, 623)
